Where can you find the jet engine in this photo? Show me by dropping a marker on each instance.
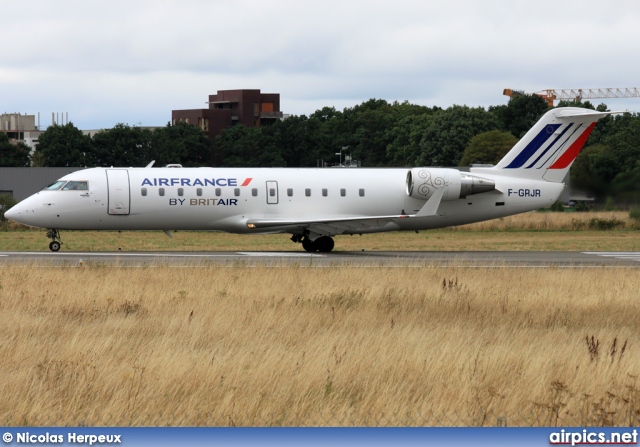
(423, 182)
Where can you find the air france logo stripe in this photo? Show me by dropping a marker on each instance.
(570, 154)
(247, 181)
(560, 148)
(549, 147)
(533, 146)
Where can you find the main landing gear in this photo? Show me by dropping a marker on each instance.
(56, 242)
(322, 244)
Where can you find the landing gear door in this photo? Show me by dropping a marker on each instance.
(272, 193)
(119, 196)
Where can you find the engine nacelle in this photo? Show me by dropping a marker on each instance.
(423, 182)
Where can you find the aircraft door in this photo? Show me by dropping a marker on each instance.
(119, 195)
(272, 192)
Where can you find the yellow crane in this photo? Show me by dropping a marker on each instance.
(578, 94)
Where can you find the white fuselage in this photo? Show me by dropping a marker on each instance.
(226, 198)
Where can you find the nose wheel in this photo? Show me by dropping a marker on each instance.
(56, 242)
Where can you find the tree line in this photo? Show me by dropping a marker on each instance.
(376, 133)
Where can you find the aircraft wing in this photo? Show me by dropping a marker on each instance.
(339, 225)
(325, 226)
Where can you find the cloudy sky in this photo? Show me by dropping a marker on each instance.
(135, 61)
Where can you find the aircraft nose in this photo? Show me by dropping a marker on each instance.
(17, 213)
(30, 212)
(12, 213)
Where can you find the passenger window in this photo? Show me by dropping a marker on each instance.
(236, 192)
(272, 192)
(290, 192)
(75, 186)
(55, 186)
(254, 192)
(218, 192)
(307, 192)
(161, 191)
(181, 192)
(343, 192)
(361, 192)
(199, 192)
(144, 192)
(325, 193)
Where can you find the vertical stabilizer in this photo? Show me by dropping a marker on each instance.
(551, 145)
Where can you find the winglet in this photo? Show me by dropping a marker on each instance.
(430, 208)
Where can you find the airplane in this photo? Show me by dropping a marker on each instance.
(314, 205)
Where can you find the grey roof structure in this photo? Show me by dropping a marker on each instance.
(20, 183)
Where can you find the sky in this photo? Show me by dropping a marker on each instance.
(135, 61)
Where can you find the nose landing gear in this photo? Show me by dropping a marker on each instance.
(56, 242)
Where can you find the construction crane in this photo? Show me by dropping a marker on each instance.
(578, 94)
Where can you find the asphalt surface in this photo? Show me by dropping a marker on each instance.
(471, 259)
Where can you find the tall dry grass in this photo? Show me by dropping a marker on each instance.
(319, 346)
(550, 221)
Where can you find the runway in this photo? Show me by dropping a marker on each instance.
(468, 259)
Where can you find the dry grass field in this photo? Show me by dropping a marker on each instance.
(319, 346)
(594, 231)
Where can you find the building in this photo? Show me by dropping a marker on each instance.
(20, 183)
(20, 127)
(23, 128)
(230, 107)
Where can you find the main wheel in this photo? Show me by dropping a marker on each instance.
(324, 244)
(308, 244)
(54, 246)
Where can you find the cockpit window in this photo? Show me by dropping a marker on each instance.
(76, 186)
(55, 186)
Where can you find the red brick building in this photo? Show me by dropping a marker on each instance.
(230, 107)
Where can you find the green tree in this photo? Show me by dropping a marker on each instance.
(295, 139)
(521, 113)
(122, 146)
(624, 140)
(242, 146)
(404, 139)
(604, 127)
(63, 145)
(577, 103)
(448, 133)
(626, 186)
(328, 133)
(13, 155)
(608, 165)
(488, 147)
(181, 143)
(593, 169)
(368, 123)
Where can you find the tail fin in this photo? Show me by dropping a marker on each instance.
(551, 145)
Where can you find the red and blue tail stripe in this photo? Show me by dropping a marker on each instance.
(556, 146)
(547, 151)
(531, 148)
(551, 145)
(570, 154)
